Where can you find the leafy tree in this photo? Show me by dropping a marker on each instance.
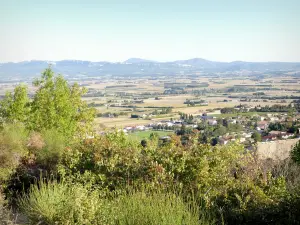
(182, 130)
(15, 106)
(256, 136)
(277, 126)
(234, 127)
(57, 105)
(203, 138)
(295, 153)
(221, 130)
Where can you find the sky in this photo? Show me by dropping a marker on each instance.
(162, 30)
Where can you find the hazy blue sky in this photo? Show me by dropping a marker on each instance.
(224, 30)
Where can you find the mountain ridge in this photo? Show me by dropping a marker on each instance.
(137, 66)
(139, 60)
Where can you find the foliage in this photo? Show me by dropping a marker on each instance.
(12, 149)
(228, 110)
(256, 136)
(295, 153)
(163, 111)
(220, 177)
(158, 208)
(188, 118)
(63, 177)
(58, 105)
(274, 108)
(219, 131)
(15, 106)
(55, 105)
(60, 203)
(42, 154)
(277, 126)
(51, 153)
(110, 160)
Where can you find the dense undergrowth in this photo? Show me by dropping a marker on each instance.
(110, 179)
(50, 174)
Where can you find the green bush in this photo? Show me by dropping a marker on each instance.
(51, 153)
(295, 153)
(60, 203)
(139, 208)
(12, 149)
(110, 160)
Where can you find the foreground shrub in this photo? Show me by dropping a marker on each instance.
(44, 152)
(59, 203)
(51, 153)
(12, 149)
(157, 208)
(110, 161)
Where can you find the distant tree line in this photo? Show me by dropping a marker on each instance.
(109, 114)
(162, 111)
(273, 108)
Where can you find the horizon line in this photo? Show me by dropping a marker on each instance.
(150, 60)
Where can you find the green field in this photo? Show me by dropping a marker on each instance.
(140, 135)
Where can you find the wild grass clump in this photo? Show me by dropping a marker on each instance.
(139, 208)
(60, 203)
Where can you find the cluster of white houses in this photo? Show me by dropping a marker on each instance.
(262, 126)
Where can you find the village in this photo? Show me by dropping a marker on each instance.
(243, 127)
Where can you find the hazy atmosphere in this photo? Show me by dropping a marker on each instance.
(250, 30)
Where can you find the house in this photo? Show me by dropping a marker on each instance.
(281, 134)
(226, 138)
(242, 139)
(273, 119)
(276, 132)
(140, 127)
(269, 138)
(137, 101)
(247, 135)
(212, 122)
(287, 135)
(206, 117)
(232, 121)
(262, 125)
(223, 141)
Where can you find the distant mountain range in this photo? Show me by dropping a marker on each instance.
(136, 67)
